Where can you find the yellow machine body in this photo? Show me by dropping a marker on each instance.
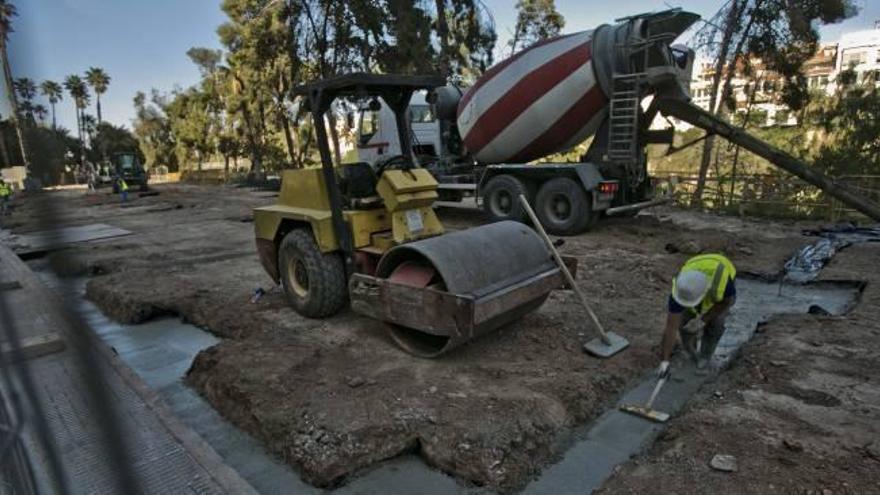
(404, 213)
(408, 196)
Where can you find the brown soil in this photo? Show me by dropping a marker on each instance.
(799, 410)
(333, 397)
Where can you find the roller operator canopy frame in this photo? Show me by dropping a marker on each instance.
(396, 90)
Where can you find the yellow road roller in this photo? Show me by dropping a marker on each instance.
(368, 235)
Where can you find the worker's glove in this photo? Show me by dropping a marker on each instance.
(695, 326)
(663, 370)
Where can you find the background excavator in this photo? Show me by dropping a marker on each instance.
(366, 232)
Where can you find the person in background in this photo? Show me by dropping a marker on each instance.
(123, 189)
(91, 177)
(5, 196)
(702, 294)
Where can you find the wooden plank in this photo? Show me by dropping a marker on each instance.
(50, 239)
(34, 347)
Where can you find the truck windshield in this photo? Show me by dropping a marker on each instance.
(126, 162)
(421, 114)
(369, 125)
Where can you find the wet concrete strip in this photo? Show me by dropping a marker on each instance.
(160, 352)
(616, 436)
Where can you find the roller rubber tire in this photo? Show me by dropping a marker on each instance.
(564, 208)
(500, 198)
(313, 282)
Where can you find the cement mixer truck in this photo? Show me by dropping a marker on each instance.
(550, 97)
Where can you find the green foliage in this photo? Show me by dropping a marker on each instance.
(110, 139)
(851, 122)
(7, 12)
(153, 130)
(47, 149)
(78, 90)
(536, 20)
(244, 104)
(47, 152)
(98, 80)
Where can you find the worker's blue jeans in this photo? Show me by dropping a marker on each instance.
(123, 195)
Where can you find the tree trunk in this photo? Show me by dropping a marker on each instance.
(443, 35)
(288, 138)
(226, 166)
(726, 37)
(749, 104)
(4, 153)
(98, 105)
(334, 137)
(256, 158)
(54, 125)
(82, 136)
(13, 103)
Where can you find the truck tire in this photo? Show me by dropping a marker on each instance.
(564, 207)
(500, 198)
(313, 282)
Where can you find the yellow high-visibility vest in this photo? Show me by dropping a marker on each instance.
(720, 271)
(4, 190)
(122, 185)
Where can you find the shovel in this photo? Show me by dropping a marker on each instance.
(646, 411)
(608, 343)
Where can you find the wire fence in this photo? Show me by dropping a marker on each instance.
(773, 195)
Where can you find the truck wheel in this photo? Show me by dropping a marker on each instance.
(563, 207)
(314, 282)
(500, 198)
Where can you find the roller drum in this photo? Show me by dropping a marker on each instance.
(503, 267)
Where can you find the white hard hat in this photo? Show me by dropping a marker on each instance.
(690, 287)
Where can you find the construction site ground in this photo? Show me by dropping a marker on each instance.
(334, 397)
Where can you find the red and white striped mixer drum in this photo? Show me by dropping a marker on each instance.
(542, 100)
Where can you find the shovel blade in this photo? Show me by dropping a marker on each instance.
(644, 412)
(600, 349)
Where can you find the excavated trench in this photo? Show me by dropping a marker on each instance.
(161, 351)
(594, 450)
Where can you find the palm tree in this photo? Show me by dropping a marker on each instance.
(90, 126)
(98, 80)
(53, 91)
(79, 92)
(7, 12)
(26, 90)
(40, 112)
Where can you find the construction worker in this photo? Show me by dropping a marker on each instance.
(5, 195)
(123, 189)
(702, 293)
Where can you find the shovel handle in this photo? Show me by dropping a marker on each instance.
(569, 279)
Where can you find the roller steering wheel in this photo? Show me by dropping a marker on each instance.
(395, 162)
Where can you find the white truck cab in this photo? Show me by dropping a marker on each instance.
(377, 132)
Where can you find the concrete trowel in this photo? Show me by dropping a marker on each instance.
(608, 343)
(646, 411)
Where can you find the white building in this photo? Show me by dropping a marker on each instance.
(860, 51)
